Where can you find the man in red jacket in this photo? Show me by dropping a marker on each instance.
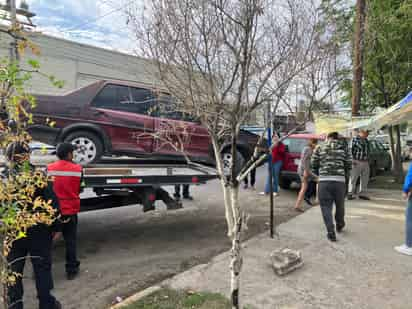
(66, 177)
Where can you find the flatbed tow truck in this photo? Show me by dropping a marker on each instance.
(120, 182)
(117, 185)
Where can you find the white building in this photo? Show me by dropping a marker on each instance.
(78, 64)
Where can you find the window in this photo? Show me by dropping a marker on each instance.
(168, 107)
(295, 145)
(112, 97)
(142, 101)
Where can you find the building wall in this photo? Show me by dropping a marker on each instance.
(79, 64)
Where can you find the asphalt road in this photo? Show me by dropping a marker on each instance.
(124, 250)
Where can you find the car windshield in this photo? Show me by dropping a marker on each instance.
(296, 145)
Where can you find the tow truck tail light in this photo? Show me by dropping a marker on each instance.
(195, 179)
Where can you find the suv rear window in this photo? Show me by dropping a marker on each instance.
(295, 145)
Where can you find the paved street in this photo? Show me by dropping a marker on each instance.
(124, 250)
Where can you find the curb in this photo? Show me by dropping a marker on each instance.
(136, 297)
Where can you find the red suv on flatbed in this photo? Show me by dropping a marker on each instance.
(123, 118)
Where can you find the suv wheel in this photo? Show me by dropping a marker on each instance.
(284, 183)
(227, 161)
(373, 170)
(90, 147)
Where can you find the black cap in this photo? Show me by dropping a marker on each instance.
(16, 148)
(63, 150)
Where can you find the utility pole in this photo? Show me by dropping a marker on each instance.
(270, 167)
(358, 56)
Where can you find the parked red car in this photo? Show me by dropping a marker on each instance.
(124, 118)
(294, 145)
(379, 158)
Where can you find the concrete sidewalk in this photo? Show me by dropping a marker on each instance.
(361, 270)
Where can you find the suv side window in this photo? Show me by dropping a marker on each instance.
(143, 101)
(167, 107)
(112, 97)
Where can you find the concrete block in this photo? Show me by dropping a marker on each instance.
(285, 261)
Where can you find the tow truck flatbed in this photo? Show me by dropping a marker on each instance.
(119, 185)
(125, 183)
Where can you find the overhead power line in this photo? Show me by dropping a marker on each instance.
(94, 20)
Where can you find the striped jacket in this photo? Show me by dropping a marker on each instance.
(360, 149)
(332, 161)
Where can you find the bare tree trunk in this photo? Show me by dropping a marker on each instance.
(392, 146)
(236, 253)
(6, 270)
(396, 152)
(358, 56)
(399, 169)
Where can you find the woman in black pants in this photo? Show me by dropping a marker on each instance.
(252, 180)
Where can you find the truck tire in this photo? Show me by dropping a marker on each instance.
(90, 147)
(227, 161)
(284, 183)
(373, 170)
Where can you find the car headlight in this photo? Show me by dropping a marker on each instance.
(297, 161)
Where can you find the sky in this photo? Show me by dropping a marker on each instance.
(96, 22)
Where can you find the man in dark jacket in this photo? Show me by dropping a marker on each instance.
(332, 162)
(37, 243)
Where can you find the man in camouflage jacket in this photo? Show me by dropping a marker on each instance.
(332, 162)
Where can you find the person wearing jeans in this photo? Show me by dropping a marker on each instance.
(407, 247)
(278, 157)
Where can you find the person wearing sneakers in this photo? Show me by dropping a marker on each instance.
(67, 177)
(407, 194)
(278, 157)
(332, 162)
(360, 166)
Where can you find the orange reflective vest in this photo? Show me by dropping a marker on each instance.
(66, 177)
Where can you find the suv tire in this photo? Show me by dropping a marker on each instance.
(91, 147)
(284, 183)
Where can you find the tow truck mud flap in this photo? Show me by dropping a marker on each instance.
(149, 195)
(170, 202)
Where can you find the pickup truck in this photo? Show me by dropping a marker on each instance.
(114, 118)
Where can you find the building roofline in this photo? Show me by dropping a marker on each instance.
(40, 33)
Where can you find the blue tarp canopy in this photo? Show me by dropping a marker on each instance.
(396, 114)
